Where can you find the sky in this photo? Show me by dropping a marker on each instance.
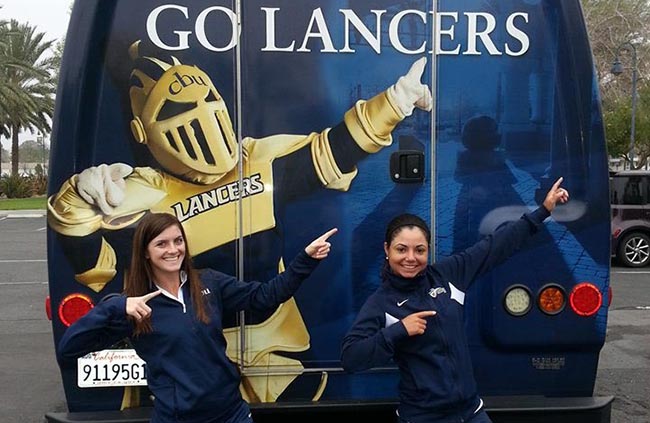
(48, 16)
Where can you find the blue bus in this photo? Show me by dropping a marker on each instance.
(226, 112)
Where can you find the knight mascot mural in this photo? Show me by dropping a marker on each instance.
(179, 114)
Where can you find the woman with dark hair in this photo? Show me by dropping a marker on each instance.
(416, 316)
(173, 313)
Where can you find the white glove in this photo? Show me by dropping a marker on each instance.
(103, 185)
(408, 92)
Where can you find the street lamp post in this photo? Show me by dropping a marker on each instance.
(41, 140)
(617, 69)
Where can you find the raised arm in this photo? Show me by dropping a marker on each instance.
(238, 295)
(464, 267)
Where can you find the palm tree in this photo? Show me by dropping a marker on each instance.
(27, 87)
(3, 85)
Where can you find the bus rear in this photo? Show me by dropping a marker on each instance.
(264, 82)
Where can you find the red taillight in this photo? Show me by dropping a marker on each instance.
(609, 296)
(73, 307)
(585, 299)
(48, 308)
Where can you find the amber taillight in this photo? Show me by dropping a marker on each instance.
(551, 299)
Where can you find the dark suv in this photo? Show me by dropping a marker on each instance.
(630, 200)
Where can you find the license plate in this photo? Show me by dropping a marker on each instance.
(111, 368)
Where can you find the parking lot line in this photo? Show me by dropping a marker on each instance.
(24, 261)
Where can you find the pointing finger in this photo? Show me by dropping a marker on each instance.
(150, 295)
(425, 313)
(557, 183)
(417, 69)
(327, 234)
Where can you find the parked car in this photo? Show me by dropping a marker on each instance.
(630, 195)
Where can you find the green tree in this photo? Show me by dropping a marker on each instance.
(34, 152)
(4, 158)
(610, 24)
(10, 93)
(57, 57)
(5, 90)
(32, 107)
(618, 117)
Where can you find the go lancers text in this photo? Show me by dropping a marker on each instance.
(480, 28)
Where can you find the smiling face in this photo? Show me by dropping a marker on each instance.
(166, 252)
(408, 252)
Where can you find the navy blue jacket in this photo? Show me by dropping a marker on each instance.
(189, 373)
(436, 375)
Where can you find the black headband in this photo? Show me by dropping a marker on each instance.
(406, 220)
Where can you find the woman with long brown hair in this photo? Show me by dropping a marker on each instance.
(172, 313)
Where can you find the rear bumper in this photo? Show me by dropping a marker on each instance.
(501, 410)
(542, 409)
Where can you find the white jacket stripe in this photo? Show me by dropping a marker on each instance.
(390, 319)
(457, 294)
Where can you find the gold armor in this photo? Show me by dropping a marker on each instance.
(200, 185)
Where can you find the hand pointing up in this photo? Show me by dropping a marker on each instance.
(556, 195)
(320, 247)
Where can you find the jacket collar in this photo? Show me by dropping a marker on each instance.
(401, 283)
